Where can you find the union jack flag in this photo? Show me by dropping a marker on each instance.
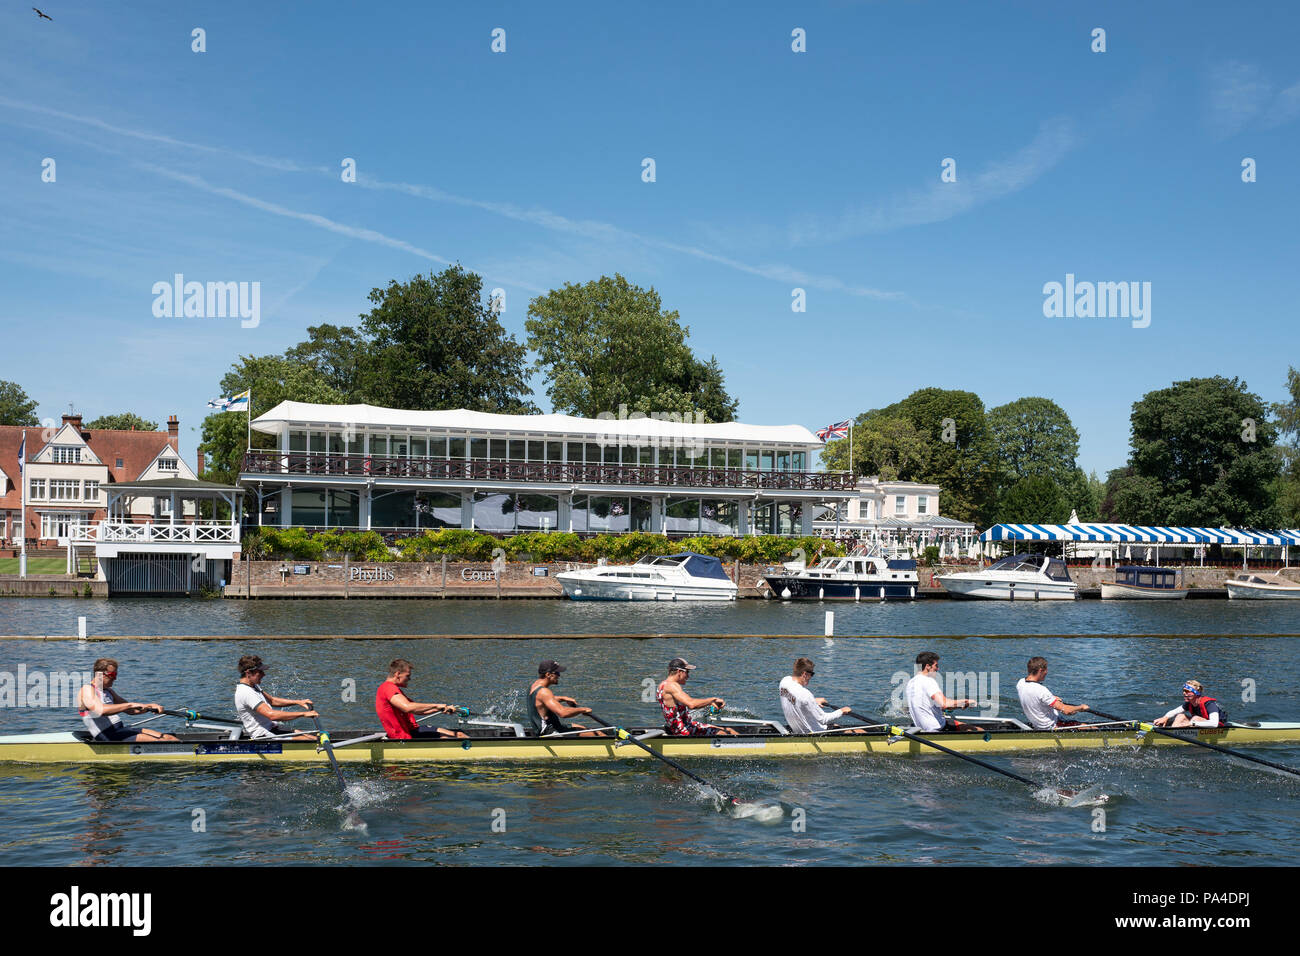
(840, 430)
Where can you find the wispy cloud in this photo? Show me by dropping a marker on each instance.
(939, 201)
(1240, 95)
(543, 218)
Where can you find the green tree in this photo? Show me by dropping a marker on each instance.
(1286, 490)
(436, 342)
(609, 343)
(340, 354)
(124, 421)
(960, 449)
(1034, 500)
(16, 408)
(1033, 436)
(888, 447)
(1207, 445)
(273, 379)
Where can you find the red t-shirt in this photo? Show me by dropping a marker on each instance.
(398, 724)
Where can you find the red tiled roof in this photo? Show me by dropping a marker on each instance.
(136, 449)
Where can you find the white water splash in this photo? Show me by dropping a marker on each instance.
(761, 812)
(1089, 797)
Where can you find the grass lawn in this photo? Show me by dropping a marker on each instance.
(35, 565)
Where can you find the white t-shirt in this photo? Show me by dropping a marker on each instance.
(925, 710)
(802, 712)
(1036, 701)
(247, 700)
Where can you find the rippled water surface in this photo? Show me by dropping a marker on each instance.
(1168, 807)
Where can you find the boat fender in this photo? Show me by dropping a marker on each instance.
(465, 745)
(785, 594)
(987, 736)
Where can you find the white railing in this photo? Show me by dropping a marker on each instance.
(124, 532)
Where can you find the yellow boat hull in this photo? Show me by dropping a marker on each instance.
(62, 748)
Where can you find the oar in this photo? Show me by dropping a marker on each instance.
(193, 715)
(1151, 728)
(625, 736)
(329, 749)
(900, 732)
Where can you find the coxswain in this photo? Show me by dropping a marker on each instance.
(397, 711)
(1040, 704)
(677, 704)
(256, 708)
(548, 711)
(1197, 710)
(102, 707)
(803, 712)
(926, 701)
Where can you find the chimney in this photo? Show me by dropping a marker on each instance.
(173, 432)
(74, 420)
(199, 464)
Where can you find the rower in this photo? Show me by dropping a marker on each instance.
(548, 710)
(102, 707)
(803, 711)
(396, 710)
(1196, 710)
(1040, 704)
(677, 704)
(926, 701)
(256, 708)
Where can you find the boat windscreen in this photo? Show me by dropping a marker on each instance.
(1056, 570)
(703, 566)
(1015, 562)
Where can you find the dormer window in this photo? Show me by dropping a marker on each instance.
(67, 454)
(167, 464)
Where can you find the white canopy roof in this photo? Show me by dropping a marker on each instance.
(362, 416)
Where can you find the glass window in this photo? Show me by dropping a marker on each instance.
(555, 450)
(629, 455)
(437, 510)
(317, 442)
(682, 516)
(537, 512)
(718, 457)
(497, 449)
(640, 514)
(611, 454)
(419, 447)
(788, 518)
(398, 446)
(536, 450)
(393, 509)
(378, 447)
(67, 454)
(765, 459)
(719, 516)
(900, 505)
(91, 492)
(308, 507)
(751, 459)
(167, 464)
(478, 448)
(517, 449)
(760, 518)
(37, 488)
(608, 514)
(344, 509)
(801, 461)
(783, 459)
(646, 455)
(63, 490)
(494, 511)
(922, 503)
(735, 457)
(456, 448)
(594, 453)
(578, 511)
(297, 442)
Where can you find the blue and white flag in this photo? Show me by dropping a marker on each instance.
(236, 403)
(22, 455)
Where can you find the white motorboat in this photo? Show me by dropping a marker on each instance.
(655, 577)
(1262, 586)
(1018, 577)
(1139, 583)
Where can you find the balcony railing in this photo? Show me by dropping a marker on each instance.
(125, 532)
(456, 469)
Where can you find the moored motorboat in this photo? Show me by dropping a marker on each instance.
(1253, 586)
(655, 577)
(862, 576)
(1017, 577)
(1142, 583)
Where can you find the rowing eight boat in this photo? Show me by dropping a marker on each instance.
(504, 741)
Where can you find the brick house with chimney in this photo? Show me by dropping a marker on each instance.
(68, 469)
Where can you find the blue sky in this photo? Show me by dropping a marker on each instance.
(775, 170)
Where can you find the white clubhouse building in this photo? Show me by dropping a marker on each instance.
(394, 470)
(898, 515)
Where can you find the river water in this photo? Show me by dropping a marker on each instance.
(1184, 806)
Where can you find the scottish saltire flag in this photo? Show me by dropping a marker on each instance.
(840, 430)
(236, 403)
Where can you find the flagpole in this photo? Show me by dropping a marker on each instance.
(250, 421)
(22, 526)
(852, 473)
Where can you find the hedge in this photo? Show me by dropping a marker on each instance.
(541, 547)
